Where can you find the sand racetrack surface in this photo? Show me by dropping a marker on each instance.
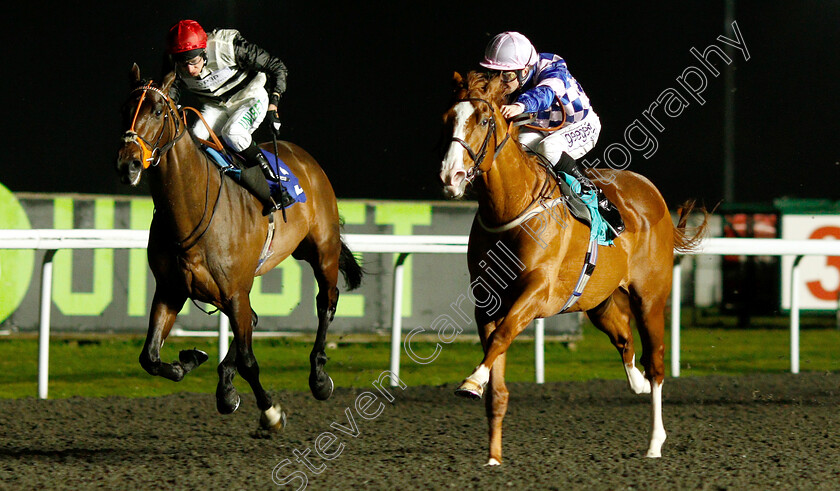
(753, 432)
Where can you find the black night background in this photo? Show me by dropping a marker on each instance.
(369, 81)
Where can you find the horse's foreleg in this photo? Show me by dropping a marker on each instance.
(517, 319)
(162, 317)
(320, 382)
(243, 321)
(496, 406)
(227, 399)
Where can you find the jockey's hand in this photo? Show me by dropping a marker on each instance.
(274, 118)
(512, 110)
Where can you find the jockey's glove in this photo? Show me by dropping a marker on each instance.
(274, 118)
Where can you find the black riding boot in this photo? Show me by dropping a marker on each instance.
(608, 211)
(568, 165)
(254, 157)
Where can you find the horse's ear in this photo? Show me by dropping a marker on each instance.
(167, 81)
(457, 80)
(134, 75)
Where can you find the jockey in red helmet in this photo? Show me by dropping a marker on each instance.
(232, 79)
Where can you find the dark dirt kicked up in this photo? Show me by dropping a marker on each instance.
(752, 432)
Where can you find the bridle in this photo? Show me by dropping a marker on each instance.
(151, 152)
(478, 157)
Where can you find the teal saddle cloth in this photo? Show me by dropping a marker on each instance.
(589, 211)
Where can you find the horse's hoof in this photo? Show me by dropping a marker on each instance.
(191, 358)
(325, 391)
(273, 418)
(227, 405)
(492, 462)
(470, 390)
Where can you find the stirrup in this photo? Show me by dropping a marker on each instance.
(280, 200)
(284, 197)
(272, 206)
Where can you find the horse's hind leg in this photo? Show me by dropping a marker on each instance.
(649, 311)
(165, 308)
(613, 320)
(326, 274)
(243, 320)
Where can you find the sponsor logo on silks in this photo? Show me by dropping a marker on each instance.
(212, 81)
(581, 134)
(248, 118)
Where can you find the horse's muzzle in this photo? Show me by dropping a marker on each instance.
(129, 166)
(454, 183)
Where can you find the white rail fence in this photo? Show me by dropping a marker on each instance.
(52, 240)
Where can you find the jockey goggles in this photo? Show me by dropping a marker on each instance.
(191, 62)
(508, 77)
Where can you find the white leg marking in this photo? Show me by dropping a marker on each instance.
(638, 383)
(492, 462)
(272, 415)
(657, 434)
(481, 375)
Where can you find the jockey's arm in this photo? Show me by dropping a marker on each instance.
(534, 100)
(252, 57)
(539, 98)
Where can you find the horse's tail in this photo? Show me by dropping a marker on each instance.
(687, 239)
(350, 268)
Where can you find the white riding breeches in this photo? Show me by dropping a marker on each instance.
(235, 120)
(576, 139)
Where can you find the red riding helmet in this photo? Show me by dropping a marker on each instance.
(185, 37)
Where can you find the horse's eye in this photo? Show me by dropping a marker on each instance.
(484, 122)
(158, 112)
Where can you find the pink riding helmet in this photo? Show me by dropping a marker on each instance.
(509, 51)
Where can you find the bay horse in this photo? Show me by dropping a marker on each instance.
(209, 239)
(539, 251)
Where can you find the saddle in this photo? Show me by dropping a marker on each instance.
(252, 178)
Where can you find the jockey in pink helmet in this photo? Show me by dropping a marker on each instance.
(541, 83)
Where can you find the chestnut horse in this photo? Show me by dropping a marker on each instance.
(209, 239)
(538, 251)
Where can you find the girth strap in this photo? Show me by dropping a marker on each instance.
(265, 253)
(588, 268)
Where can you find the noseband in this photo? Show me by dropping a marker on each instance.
(152, 153)
(478, 157)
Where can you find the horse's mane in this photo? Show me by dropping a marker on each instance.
(487, 86)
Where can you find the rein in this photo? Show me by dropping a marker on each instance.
(152, 154)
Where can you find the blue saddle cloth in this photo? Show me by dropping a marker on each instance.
(598, 227)
(280, 168)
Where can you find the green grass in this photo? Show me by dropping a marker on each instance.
(106, 365)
